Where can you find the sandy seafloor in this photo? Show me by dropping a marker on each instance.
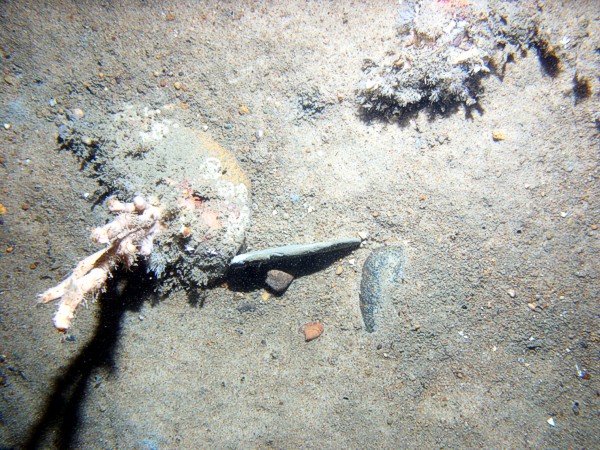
(498, 330)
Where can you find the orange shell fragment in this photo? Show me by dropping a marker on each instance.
(312, 330)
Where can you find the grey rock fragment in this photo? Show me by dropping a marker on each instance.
(278, 280)
(382, 273)
(289, 252)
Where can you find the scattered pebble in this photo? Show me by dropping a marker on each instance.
(498, 135)
(177, 85)
(339, 270)
(52, 102)
(33, 265)
(511, 293)
(78, 113)
(9, 79)
(246, 308)
(88, 141)
(265, 296)
(312, 330)
(7, 126)
(2, 209)
(162, 82)
(363, 235)
(551, 421)
(563, 214)
(244, 110)
(278, 280)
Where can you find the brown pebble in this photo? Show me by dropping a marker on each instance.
(278, 280)
(312, 330)
(25, 206)
(33, 265)
(162, 83)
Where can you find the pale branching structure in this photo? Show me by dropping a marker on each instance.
(189, 209)
(129, 235)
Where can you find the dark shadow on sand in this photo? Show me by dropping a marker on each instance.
(253, 278)
(61, 416)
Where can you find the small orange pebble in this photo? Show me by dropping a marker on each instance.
(10, 249)
(312, 330)
(186, 232)
(2, 209)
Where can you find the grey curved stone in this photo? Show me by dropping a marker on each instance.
(383, 272)
(287, 252)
